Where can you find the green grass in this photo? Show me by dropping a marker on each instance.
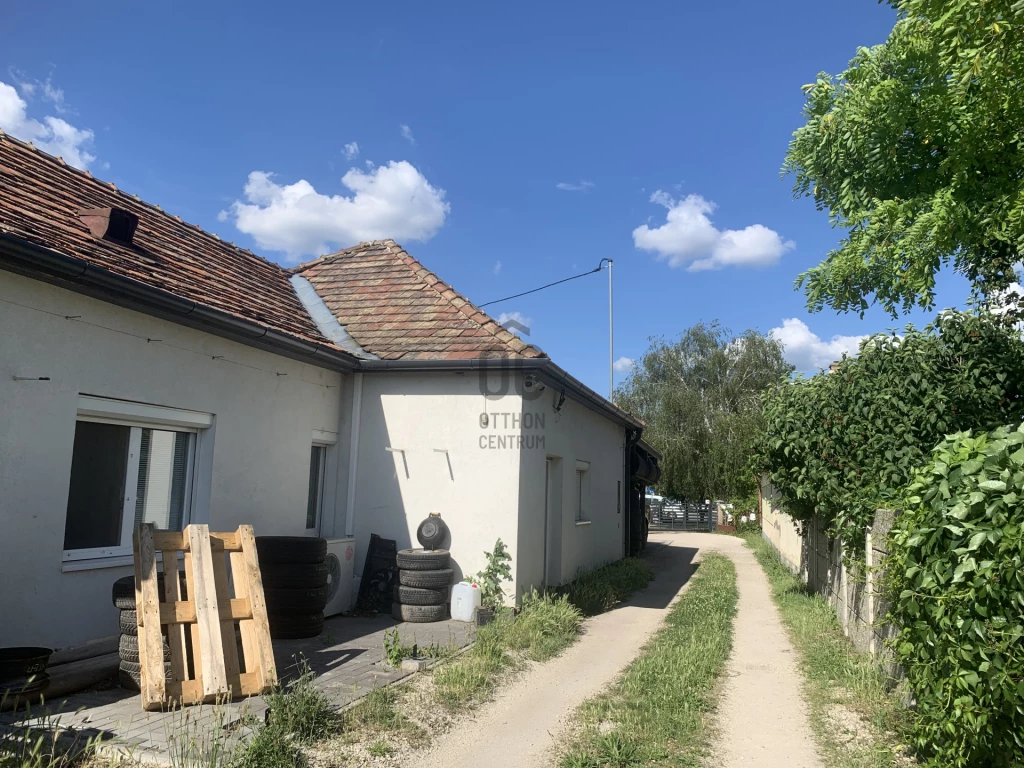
(381, 713)
(597, 591)
(380, 748)
(855, 716)
(657, 714)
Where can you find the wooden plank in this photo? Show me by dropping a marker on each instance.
(248, 684)
(227, 626)
(250, 652)
(177, 541)
(263, 661)
(185, 692)
(197, 653)
(147, 606)
(184, 612)
(203, 592)
(175, 632)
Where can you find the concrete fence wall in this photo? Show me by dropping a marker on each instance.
(854, 592)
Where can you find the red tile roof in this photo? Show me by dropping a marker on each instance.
(40, 200)
(395, 308)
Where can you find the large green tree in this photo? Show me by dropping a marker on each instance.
(701, 398)
(917, 150)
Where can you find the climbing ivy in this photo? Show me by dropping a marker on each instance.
(842, 444)
(956, 586)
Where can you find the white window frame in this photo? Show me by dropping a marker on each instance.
(582, 492)
(324, 440)
(135, 416)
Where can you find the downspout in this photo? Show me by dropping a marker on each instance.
(632, 438)
(353, 454)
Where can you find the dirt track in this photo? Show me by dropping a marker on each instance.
(764, 717)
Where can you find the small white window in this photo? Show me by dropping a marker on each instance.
(122, 475)
(315, 501)
(582, 491)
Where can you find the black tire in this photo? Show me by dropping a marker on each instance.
(123, 590)
(133, 667)
(419, 614)
(25, 686)
(132, 680)
(426, 579)
(296, 625)
(129, 623)
(285, 601)
(128, 649)
(294, 575)
(273, 550)
(423, 559)
(416, 596)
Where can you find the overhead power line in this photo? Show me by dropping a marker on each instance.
(598, 268)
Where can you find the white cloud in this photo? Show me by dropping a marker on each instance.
(351, 150)
(809, 352)
(517, 317)
(497, 267)
(582, 186)
(54, 134)
(407, 134)
(688, 238)
(623, 364)
(393, 200)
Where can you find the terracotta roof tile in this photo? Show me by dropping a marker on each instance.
(395, 308)
(40, 197)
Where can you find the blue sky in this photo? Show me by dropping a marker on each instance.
(535, 137)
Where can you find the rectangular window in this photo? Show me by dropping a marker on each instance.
(315, 501)
(121, 475)
(582, 491)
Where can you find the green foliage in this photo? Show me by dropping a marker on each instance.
(498, 570)
(301, 709)
(957, 591)
(380, 748)
(916, 151)
(701, 398)
(840, 445)
(395, 650)
(596, 591)
(658, 710)
(545, 626)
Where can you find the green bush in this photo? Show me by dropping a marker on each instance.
(595, 592)
(546, 625)
(840, 445)
(956, 586)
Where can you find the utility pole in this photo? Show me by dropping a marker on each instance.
(611, 333)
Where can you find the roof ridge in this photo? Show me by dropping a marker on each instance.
(329, 257)
(490, 325)
(110, 187)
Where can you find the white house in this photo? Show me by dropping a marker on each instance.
(150, 371)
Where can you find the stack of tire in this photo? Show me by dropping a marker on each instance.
(421, 594)
(123, 595)
(294, 571)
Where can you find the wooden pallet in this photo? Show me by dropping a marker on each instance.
(206, 665)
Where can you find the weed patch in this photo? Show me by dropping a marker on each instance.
(656, 714)
(597, 591)
(855, 717)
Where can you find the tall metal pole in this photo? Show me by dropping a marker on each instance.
(611, 336)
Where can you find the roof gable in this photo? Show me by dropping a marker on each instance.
(396, 309)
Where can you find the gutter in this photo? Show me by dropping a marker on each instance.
(544, 367)
(38, 262)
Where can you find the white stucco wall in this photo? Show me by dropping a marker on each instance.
(574, 433)
(263, 424)
(496, 486)
(425, 414)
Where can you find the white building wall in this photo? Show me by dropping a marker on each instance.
(424, 415)
(572, 433)
(260, 441)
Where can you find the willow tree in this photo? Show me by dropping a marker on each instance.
(917, 151)
(700, 395)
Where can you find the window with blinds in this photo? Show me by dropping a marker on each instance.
(122, 475)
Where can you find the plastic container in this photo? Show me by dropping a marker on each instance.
(465, 601)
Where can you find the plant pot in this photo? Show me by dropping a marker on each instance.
(484, 616)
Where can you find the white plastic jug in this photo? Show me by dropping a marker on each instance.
(465, 601)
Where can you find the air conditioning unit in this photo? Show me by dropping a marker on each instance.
(341, 556)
